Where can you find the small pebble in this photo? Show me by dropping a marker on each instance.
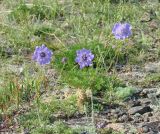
(101, 124)
(117, 111)
(150, 114)
(146, 119)
(123, 118)
(121, 113)
(145, 129)
(135, 103)
(85, 132)
(115, 116)
(113, 111)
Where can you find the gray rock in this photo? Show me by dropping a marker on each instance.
(152, 67)
(113, 111)
(145, 101)
(115, 116)
(139, 109)
(134, 103)
(145, 129)
(137, 118)
(152, 95)
(101, 124)
(158, 94)
(146, 119)
(9, 52)
(124, 118)
(149, 90)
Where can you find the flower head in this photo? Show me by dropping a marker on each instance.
(122, 30)
(42, 55)
(84, 58)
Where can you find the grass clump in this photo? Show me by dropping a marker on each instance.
(25, 12)
(58, 128)
(42, 118)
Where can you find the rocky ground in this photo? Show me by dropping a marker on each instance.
(138, 114)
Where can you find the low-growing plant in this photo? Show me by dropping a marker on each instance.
(123, 93)
(92, 77)
(42, 117)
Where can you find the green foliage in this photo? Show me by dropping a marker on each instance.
(67, 106)
(23, 12)
(123, 93)
(41, 117)
(15, 93)
(57, 128)
(90, 77)
(43, 30)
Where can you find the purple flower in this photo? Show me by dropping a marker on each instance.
(42, 55)
(122, 30)
(84, 58)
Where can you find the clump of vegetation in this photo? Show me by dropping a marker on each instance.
(89, 77)
(24, 12)
(124, 93)
(46, 114)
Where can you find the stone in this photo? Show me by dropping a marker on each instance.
(153, 126)
(118, 67)
(149, 90)
(152, 67)
(85, 132)
(122, 112)
(26, 131)
(101, 124)
(113, 111)
(134, 103)
(123, 118)
(158, 94)
(8, 52)
(146, 119)
(145, 129)
(150, 114)
(116, 126)
(158, 128)
(151, 95)
(137, 119)
(145, 101)
(117, 110)
(139, 109)
(115, 116)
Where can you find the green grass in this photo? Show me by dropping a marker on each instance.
(65, 27)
